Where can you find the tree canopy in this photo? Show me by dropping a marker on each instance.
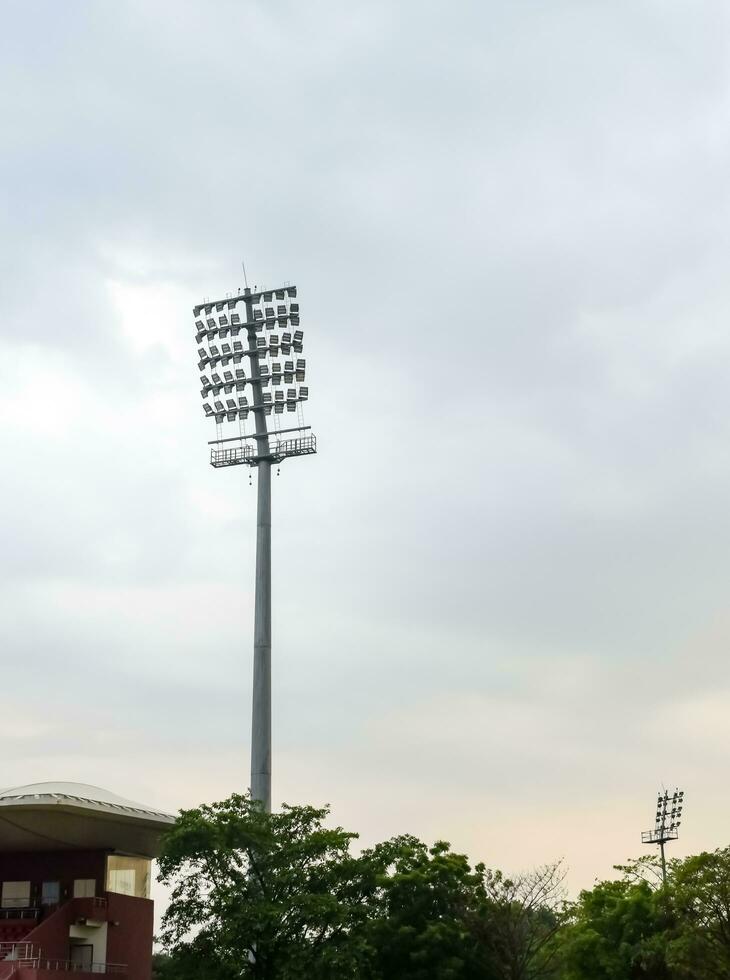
(284, 896)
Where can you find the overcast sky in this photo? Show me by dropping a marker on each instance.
(501, 587)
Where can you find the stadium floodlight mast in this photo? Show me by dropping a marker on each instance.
(229, 333)
(666, 827)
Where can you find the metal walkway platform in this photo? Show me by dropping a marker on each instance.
(279, 450)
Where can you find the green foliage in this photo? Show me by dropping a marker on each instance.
(161, 967)
(700, 946)
(613, 932)
(281, 897)
(425, 914)
(264, 896)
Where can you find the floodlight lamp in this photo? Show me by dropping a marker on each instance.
(199, 325)
(219, 307)
(235, 318)
(211, 323)
(294, 308)
(279, 396)
(223, 321)
(268, 297)
(304, 393)
(208, 410)
(239, 374)
(258, 313)
(218, 406)
(294, 318)
(214, 350)
(230, 404)
(242, 401)
(269, 311)
(266, 397)
(279, 293)
(291, 291)
(204, 380)
(279, 408)
(216, 378)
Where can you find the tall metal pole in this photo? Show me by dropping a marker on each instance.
(664, 864)
(261, 713)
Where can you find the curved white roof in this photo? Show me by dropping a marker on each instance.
(79, 791)
(59, 815)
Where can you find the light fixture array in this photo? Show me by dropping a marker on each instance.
(225, 338)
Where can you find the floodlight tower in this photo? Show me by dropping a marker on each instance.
(666, 827)
(218, 326)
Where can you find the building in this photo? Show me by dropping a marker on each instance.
(75, 876)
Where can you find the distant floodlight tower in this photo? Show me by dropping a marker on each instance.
(218, 326)
(666, 827)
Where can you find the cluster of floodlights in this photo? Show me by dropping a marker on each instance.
(668, 818)
(669, 810)
(218, 327)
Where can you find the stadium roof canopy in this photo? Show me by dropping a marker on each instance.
(76, 816)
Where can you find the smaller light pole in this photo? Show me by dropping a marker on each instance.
(666, 827)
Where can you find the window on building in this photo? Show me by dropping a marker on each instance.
(50, 893)
(16, 894)
(84, 887)
(128, 875)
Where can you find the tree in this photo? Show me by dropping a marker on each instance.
(426, 914)
(700, 947)
(617, 931)
(161, 967)
(263, 895)
(522, 921)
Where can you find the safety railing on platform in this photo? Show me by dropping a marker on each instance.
(18, 950)
(71, 966)
(24, 912)
(231, 457)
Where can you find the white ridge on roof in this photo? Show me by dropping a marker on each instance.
(79, 791)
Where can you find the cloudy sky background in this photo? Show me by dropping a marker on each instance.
(501, 588)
